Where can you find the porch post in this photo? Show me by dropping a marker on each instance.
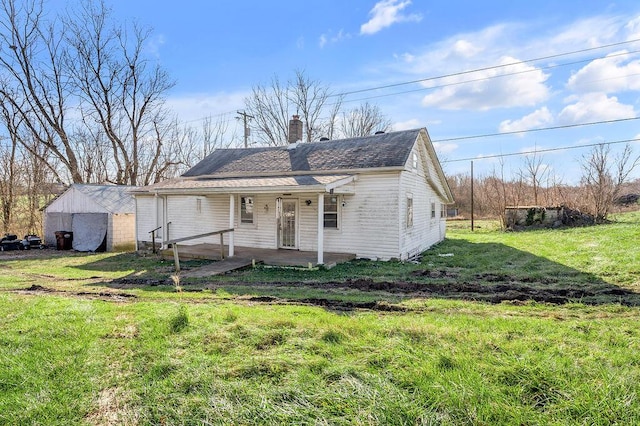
(320, 228)
(232, 211)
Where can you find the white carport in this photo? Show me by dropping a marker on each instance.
(101, 217)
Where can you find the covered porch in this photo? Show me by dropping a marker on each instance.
(243, 203)
(272, 257)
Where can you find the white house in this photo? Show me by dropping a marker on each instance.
(101, 217)
(382, 196)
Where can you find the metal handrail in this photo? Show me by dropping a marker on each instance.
(154, 230)
(175, 242)
(153, 239)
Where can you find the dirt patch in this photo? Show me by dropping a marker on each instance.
(107, 296)
(489, 288)
(125, 283)
(434, 274)
(496, 289)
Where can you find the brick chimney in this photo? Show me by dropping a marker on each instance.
(295, 129)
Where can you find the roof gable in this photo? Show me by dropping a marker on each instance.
(376, 151)
(95, 198)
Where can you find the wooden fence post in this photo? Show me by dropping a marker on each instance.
(176, 257)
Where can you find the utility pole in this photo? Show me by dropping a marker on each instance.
(245, 118)
(471, 195)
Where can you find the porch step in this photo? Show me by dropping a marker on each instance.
(192, 253)
(217, 268)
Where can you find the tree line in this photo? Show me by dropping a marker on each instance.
(604, 185)
(82, 101)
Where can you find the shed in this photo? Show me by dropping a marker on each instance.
(101, 217)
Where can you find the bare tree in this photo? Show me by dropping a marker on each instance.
(309, 97)
(535, 172)
(214, 135)
(80, 81)
(121, 90)
(36, 84)
(273, 106)
(603, 177)
(271, 111)
(363, 120)
(8, 166)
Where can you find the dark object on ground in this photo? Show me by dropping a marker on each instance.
(10, 242)
(64, 240)
(32, 241)
(627, 200)
(573, 217)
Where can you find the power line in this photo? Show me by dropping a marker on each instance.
(566, 126)
(475, 80)
(539, 151)
(486, 68)
(405, 83)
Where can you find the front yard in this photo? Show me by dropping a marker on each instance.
(489, 328)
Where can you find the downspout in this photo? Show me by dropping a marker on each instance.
(320, 228)
(232, 210)
(135, 220)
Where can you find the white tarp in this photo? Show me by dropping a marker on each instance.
(89, 230)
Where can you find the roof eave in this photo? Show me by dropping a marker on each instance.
(248, 174)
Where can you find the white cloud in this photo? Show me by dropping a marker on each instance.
(328, 38)
(531, 85)
(499, 87)
(445, 148)
(535, 120)
(323, 41)
(594, 107)
(196, 106)
(590, 32)
(460, 52)
(465, 49)
(614, 73)
(386, 13)
(155, 44)
(414, 123)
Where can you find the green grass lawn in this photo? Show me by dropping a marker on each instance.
(106, 339)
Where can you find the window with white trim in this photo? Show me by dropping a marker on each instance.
(414, 161)
(331, 211)
(409, 210)
(443, 211)
(246, 209)
(433, 210)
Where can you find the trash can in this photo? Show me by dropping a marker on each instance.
(64, 240)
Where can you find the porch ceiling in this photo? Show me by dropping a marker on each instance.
(302, 183)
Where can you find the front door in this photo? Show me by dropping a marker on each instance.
(288, 224)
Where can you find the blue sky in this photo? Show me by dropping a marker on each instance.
(217, 50)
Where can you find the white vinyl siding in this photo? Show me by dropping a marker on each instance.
(368, 221)
(145, 217)
(428, 229)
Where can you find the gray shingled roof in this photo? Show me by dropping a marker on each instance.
(384, 150)
(114, 198)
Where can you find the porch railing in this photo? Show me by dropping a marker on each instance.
(175, 241)
(153, 238)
